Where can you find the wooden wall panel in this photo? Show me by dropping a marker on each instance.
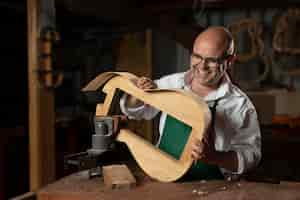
(135, 56)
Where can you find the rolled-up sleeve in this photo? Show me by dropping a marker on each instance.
(247, 140)
(141, 112)
(173, 81)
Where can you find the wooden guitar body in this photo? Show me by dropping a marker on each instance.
(180, 104)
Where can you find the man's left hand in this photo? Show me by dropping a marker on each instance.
(204, 149)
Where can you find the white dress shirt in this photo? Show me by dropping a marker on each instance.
(236, 124)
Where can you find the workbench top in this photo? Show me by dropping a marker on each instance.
(79, 187)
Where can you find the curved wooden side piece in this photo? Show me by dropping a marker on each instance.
(178, 103)
(286, 36)
(254, 30)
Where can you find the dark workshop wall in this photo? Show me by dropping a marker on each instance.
(169, 56)
(13, 57)
(13, 100)
(267, 18)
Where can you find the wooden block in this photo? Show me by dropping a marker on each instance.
(118, 177)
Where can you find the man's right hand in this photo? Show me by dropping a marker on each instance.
(143, 83)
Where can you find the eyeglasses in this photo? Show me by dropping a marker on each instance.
(210, 62)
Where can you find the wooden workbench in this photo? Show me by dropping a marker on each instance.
(79, 187)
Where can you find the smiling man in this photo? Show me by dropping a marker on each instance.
(232, 145)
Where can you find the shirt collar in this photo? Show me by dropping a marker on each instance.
(224, 90)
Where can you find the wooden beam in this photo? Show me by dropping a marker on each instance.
(41, 108)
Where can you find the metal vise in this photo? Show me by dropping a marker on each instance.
(106, 128)
(102, 139)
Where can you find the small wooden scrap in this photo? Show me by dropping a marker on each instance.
(202, 193)
(26, 196)
(203, 181)
(118, 177)
(223, 188)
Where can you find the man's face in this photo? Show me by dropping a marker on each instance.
(207, 62)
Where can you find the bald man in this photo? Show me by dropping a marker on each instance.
(232, 146)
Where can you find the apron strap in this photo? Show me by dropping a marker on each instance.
(213, 111)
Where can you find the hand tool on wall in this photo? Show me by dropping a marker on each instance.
(48, 76)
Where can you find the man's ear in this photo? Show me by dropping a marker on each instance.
(231, 60)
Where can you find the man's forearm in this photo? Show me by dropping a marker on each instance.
(133, 102)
